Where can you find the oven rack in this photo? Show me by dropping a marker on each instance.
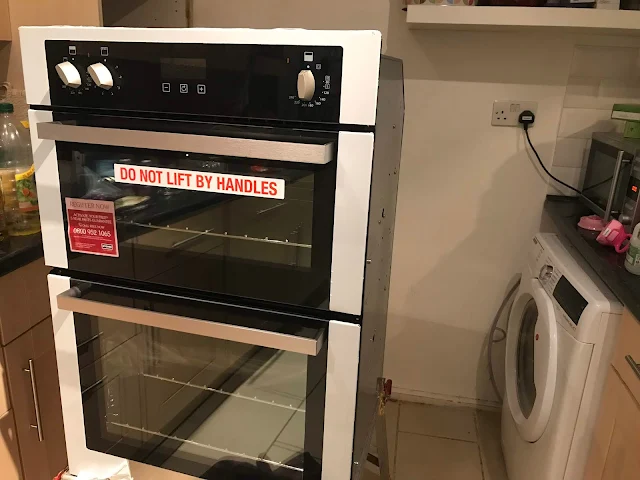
(209, 447)
(223, 392)
(225, 235)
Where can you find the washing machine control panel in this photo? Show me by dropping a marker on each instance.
(581, 302)
(568, 302)
(545, 272)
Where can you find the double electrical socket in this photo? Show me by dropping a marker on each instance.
(507, 112)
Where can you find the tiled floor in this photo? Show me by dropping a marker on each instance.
(428, 442)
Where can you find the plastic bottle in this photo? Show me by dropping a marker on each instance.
(17, 176)
(632, 261)
(4, 231)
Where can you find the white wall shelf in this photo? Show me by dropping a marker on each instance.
(590, 20)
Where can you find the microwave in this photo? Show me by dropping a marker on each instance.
(612, 178)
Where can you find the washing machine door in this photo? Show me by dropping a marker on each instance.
(531, 360)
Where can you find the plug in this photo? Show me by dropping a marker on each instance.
(526, 118)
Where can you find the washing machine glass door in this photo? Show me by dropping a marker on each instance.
(531, 360)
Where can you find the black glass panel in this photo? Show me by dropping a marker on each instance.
(263, 248)
(526, 359)
(569, 299)
(240, 81)
(202, 406)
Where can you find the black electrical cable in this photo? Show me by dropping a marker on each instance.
(526, 119)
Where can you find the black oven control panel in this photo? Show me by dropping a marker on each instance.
(275, 82)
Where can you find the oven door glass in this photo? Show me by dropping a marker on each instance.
(176, 232)
(196, 404)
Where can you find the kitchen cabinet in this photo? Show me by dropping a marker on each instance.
(9, 456)
(35, 395)
(49, 12)
(5, 21)
(615, 451)
(24, 301)
(623, 458)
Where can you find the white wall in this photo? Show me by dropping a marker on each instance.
(312, 14)
(145, 13)
(470, 195)
(599, 77)
(470, 198)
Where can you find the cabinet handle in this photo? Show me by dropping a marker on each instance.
(634, 366)
(36, 404)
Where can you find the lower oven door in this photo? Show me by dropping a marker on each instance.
(206, 389)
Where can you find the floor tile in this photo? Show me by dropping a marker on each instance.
(367, 475)
(429, 458)
(140, 471)
(490, 446)
(446, 422)
(392, 412)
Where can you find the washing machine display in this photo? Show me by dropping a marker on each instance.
(569, 299)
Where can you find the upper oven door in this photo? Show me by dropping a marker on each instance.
(234, 210)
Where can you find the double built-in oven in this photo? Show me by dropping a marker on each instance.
(218, 207)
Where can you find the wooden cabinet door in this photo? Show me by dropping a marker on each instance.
(5, 22)
(615, 451)
(42, 458)
(24, 301)
(603, 430)
(623, 458)
(9, 456)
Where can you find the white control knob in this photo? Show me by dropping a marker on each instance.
(306, 85)
(101, 75)
(69, 74)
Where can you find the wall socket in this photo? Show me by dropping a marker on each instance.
(507, 112)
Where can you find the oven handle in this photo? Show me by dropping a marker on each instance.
(71, 300)
(318, 154)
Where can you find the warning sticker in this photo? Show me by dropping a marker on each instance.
(200, 181)
(92, 227)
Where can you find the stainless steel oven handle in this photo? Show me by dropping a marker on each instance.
(614, 185)
(36, 403)
(634, 366)
(319, 154)
(71, 300)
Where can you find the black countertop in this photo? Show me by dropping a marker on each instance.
(565, 212)
(17, 252)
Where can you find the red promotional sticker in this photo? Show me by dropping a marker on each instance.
(92, 227)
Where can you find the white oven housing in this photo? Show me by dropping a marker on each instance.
(367, 165)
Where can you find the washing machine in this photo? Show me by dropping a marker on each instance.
(560, 338)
